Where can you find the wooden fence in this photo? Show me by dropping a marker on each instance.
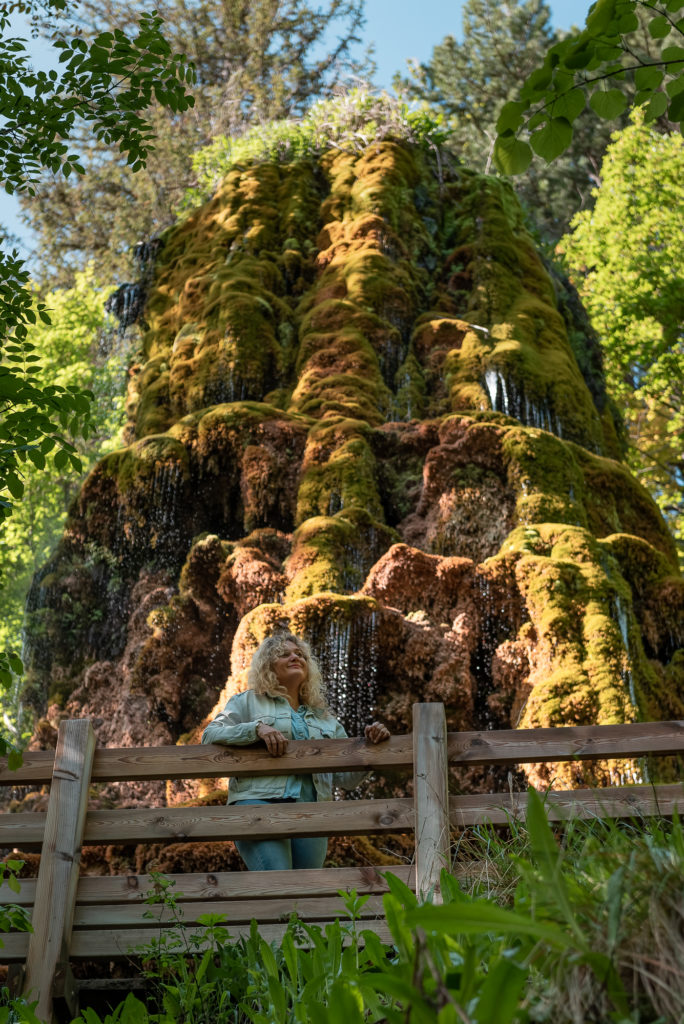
(91, 918)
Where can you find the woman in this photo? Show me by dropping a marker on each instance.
(284, 700)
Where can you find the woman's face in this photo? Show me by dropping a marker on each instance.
(290, 667)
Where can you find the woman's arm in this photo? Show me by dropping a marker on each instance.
(232, 726)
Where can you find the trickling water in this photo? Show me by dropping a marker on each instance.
(623, 625)
(509, 397)
(126, 304)
(495, 383)
(128, 301)
(500, 619)
(622, 618)
(347, 652)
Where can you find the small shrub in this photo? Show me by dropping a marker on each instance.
(350, 122)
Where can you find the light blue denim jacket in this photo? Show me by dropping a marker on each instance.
(237, 724)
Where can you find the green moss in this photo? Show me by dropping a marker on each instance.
(355, 290)
(339, 479)
(335, 553)
(411, 390)
(517, 331)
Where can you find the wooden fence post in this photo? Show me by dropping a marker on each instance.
(53, 913)
(431, 796)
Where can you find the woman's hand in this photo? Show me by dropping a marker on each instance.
(276, 743)
(376, 732)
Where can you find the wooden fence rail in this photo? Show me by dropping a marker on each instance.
(89, 918)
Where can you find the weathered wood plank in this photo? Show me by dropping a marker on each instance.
(333, 818)
(177, 824)
(313, 908)
(431, 796)
(14, 947)
(24, 830)
(58, 872)
(344, 817)
(128, 764)
(36, 769)
(566, 743)
(505, 746)
(224, 885)
(612, 802)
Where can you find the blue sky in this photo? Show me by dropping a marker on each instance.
(400, 29)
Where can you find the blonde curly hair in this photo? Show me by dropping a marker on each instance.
(262, 679)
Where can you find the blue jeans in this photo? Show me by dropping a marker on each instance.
(281, 854)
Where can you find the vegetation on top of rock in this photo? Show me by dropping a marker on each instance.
(471, 77)
(350, 122)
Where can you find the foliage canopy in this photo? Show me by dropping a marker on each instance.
(256, 61)
(588, 67)
(627, 256)
(107, 84)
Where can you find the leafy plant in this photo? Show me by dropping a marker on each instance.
(568, 926)
(14, 1010)
(627, 259)
(107, 85)
(585, 68)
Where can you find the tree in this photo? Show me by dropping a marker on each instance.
(107, 84)
(256, 61)
(627, 256)
(82, 348)
(472, 80)
(591, 66)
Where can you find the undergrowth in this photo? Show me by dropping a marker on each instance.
(571, 925)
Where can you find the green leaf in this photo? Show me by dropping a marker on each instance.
(659, 27)
(14, 760)
(510, 117)
(673, 53)
(609, 104)
(552, 140)
(628, 23)
(648, 78)
(482, 918)
(656, 107)
(511, 155)
(601, 18)
(570, 104)
(676, 109)
(14, 485)
(60, 459)
(579, 58)
(675, 86)
(499, 999)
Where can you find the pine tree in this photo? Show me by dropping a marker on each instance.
(473, 79)
(255, 60)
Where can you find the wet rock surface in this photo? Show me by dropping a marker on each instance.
(360, 417)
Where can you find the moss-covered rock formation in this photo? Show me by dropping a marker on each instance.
(367, 410)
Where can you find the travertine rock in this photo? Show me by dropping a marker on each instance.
(360, 413)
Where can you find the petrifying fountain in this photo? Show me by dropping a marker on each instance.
(364, 408)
